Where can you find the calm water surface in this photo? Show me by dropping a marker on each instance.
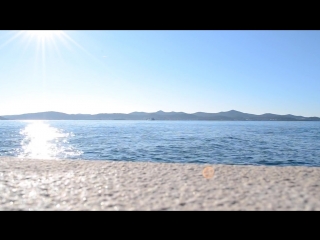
(218, 142)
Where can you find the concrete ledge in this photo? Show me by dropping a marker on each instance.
(29, 184)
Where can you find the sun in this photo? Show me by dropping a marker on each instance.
(46, 42)
(44, 34)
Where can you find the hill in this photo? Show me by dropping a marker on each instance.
(232, 115)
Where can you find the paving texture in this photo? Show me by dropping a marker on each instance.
(27, 184)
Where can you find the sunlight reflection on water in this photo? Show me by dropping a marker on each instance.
(41, 141)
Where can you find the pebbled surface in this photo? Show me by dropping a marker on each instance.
(27, 184)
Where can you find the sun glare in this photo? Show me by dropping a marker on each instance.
(42, 34)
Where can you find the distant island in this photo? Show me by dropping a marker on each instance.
(232, 115)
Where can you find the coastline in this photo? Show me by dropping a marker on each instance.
(32, 184)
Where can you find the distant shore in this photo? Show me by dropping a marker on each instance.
(231, 115)
(31, 184)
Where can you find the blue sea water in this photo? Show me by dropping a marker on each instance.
(211, 142)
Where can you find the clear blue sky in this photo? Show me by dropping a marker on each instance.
(124, 71)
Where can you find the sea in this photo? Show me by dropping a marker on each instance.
(275, 143)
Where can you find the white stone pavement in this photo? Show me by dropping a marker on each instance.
(27, 184)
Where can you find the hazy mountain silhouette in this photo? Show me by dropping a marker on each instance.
(1, 118)
(232, 115)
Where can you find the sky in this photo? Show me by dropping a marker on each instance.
(211, 71)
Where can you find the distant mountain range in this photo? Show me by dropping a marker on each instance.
(160, 115)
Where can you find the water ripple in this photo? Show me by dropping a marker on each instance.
(254, 143)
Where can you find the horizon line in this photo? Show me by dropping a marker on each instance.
(151, 112)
